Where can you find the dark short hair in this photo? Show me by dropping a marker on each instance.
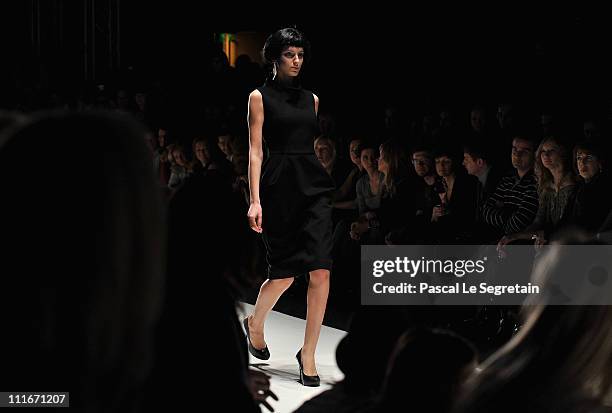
(324, 138)
(280, 40)
(478, 150)
(479, 108)
(422, 148)
(526, 135)
(449, 150)
(369, 145)
(593, 148)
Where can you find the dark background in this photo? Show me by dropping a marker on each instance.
(362, 58)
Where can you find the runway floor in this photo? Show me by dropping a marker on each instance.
(284, 336)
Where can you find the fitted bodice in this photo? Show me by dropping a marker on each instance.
(290, 121)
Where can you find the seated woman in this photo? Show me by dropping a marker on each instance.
(453, 199)
(161, 160)
(369, 186)
(224, 141)
(396, 199)
(369, 190)
(592, 203)
(181, 168)
(557, 186)
(345, 196)
(397, 203)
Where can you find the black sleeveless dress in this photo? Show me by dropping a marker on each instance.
(295, 190)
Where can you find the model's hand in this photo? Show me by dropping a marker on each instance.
(255, 216)
(259, 387)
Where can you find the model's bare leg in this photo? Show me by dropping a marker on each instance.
(318, 290)
(269, 293)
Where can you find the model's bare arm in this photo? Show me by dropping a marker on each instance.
(255, 119)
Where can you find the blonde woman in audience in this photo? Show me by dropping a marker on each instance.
(557, 186)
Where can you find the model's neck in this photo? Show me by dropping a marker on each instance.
(286, 80)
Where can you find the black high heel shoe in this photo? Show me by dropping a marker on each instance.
(310, 381)
(264, 353)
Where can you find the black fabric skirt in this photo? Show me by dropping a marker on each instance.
(296, 200)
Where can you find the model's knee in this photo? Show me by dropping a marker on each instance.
(282, 282)
(319, 277)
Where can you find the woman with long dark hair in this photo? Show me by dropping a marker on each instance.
(395, 210)
(368, 190)
(592, 203)
(396, 199)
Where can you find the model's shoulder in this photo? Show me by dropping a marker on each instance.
(309, 92)
(255, 96)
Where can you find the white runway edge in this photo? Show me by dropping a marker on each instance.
(284, 336)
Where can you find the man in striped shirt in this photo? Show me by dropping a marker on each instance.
(514, 203)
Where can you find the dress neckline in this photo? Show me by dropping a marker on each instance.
(290, 85)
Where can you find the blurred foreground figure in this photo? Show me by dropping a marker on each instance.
(560, 361)
(83, 241)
